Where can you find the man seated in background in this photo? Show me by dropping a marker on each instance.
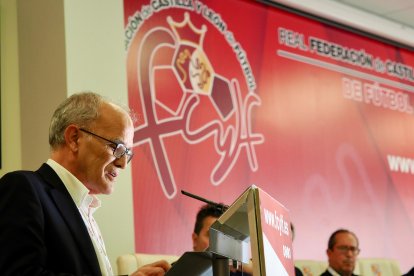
(206, 216)
(410, 273)
(343, 249)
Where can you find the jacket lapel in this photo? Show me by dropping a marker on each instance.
(71, 215)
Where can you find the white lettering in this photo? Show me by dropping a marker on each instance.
(276, 221)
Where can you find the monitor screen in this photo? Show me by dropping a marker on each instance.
(255, 228)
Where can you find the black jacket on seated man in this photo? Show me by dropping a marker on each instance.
(298, 272)
(327, 273)
(410, 273)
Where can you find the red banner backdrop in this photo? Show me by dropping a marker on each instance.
(234, 93)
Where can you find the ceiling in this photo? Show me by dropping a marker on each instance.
(391, 20)
(399, 11)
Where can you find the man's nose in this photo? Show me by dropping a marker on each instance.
(121, 162)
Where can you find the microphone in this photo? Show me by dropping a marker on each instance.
(221, 206)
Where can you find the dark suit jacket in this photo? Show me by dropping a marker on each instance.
(298, 272)
(239, 273)
(326, 273)
(410, 273)
(41, 229)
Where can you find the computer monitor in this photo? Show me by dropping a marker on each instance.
(255, 227)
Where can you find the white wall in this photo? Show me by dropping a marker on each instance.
(10, 109)
(42, 74)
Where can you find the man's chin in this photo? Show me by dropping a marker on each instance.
(106, 189)
(109, 190)
(348, 269)
(109, 183)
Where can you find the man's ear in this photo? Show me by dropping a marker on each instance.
(194, 236)
(71, 137)
(328, 252)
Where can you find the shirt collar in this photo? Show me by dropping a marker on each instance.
(78, 192)
(333, 272)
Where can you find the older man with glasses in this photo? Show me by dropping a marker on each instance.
(46, 216)
(343, 249)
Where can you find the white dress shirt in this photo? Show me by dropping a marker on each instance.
(87, 204)
(333, 272)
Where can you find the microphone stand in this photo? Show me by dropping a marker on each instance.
(220, 263)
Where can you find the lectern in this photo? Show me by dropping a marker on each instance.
(256, 229)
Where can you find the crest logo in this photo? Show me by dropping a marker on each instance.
(184, 96)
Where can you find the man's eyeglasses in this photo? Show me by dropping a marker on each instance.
(119, 149)
(344, 249)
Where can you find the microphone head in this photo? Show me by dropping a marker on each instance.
(220, 206)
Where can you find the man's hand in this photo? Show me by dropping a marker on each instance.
(247, 268)
(155, 269)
